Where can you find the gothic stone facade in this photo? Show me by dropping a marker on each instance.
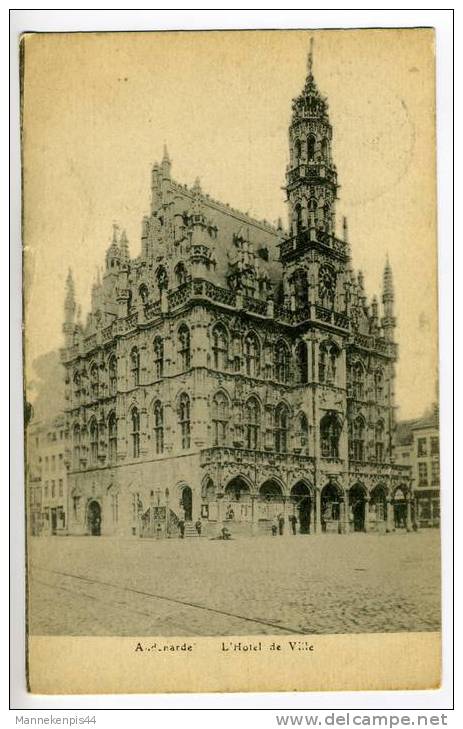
(234, 371)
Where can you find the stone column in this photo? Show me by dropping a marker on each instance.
(344, 515)
(254, 525)
(219, 523)
(389, 516)
(318, 513)
(312, 523)
(366, 525)
(286, 530)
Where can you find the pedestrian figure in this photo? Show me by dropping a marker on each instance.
(225, 533)
(293, 522)
(181, 526)
(198, 526)
(281, 524)
(274, 527)
(230, 513)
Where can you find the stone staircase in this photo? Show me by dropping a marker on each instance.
(190, 530)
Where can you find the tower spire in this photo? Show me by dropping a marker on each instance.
(388, 321)
(70, 301)
(69, 310)
(310, 58)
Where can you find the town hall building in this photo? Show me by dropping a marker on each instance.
(235, 372)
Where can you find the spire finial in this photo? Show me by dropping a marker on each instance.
(388, 286)
(70, 300)
(165, 156)
(115, 231)
(310, 58)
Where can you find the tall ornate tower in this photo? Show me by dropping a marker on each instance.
(311, 176)
(314, 260)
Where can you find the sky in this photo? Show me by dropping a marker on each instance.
(98, 108)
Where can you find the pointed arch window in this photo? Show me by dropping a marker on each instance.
(310, 147)
(112, 437)
(281, 362)
(281, 428)
(143, 293)
(302, 363)
(180, 274)
(135, 366)
(379, 441)
(112, 371)
(94, 380)
(252, 354)
(76, 385)
(158, 427)
(184, 420)
(301, 288)
(220, 347)
(93, 442)
(184, 349)
(379, 386)
(358, 381)
(313, 207)
(158, 347)
(298, 218)
(219, 418)
(303, 430)
(357, 439)
(162, 279)
(327, 215)
(330, 432)
(252, 423)
(325, 149)
(327, 363)
(76, 445)
(297, 152)
(135, 418)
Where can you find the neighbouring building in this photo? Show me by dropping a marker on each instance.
(417, 445)
(46, 476)
(235, 371)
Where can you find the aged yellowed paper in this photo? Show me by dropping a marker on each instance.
(230, 294)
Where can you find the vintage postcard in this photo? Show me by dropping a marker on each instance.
(230, 295)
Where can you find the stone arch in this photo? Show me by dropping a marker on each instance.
(400, 496)
(378, 502)
(94, 516)
(185, 498)
(271, 504)
(272, 488)
(301, 356)
(208, 488)
(331, 498)
(357, 506)
(238, 486)
(237, 498)
(302, 503)
(301, 430)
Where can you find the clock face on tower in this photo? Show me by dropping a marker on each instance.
(326, 283)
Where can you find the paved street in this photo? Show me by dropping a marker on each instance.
(264, 585)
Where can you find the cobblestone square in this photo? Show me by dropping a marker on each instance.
(249, 586)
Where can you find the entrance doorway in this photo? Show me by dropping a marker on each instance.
(300, 497)
(330, 508)
(357, 505)
(400, 510)
(94, 518)
(187, 503)
(54, 521)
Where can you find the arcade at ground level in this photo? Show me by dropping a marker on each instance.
(243, 509)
